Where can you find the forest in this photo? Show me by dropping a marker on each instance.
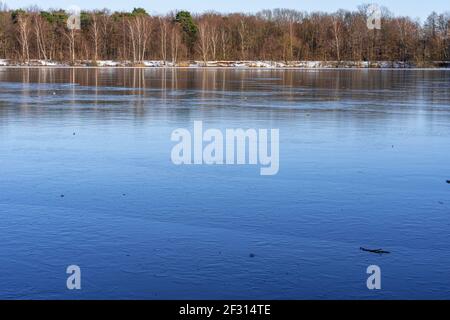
(269, 35)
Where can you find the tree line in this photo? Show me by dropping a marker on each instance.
(277, 35)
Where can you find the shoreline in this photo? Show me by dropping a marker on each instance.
(231, 68)
(232, 65)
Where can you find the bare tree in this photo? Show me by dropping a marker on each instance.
(287, 19)
(224, 42)
(106, 41)
(163, 26)
(24, 26)
(139, 29)
(175, 42)
(203, 32)
(40, 32)
(70, 35)
(336, 24)
(95, 33)
(242, 30)
(214, 39)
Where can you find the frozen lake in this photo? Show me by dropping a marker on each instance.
(86, 178)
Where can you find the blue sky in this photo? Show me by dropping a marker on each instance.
(413, 8)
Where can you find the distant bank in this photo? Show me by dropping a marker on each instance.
(231, 64)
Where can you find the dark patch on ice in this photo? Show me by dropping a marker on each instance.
(377, 251)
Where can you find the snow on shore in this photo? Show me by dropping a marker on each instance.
(227, 64)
